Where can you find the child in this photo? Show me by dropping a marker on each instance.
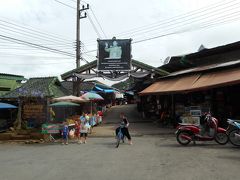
(65, 132)
(83, 132)
(77, 131)
(100, 117)
(92, 122)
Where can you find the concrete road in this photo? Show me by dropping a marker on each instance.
(149, 158)
(130, 110)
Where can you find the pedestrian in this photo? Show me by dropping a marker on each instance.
(87, 117)
(65, 132)
(83, 132)
(92, 122)
(125, 129)
(82, 118)
(77, 131)
(100, 117)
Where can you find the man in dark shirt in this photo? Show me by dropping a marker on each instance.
(125, 128)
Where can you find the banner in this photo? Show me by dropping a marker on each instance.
(114, 55)
(51, 128)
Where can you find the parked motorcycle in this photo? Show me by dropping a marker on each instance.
(189, 132)
(233, 132)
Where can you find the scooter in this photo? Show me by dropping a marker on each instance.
(233, 132)
(189, 132)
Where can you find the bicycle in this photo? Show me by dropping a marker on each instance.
(119, 137)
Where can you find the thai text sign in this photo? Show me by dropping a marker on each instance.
(33, 111)
(114, 54)
(51, 128)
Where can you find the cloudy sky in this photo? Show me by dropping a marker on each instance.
(159, 28)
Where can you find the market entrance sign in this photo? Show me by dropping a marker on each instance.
(114, 55)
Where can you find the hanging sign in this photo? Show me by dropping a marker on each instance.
(114, 55)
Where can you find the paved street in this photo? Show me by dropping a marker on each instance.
(155, 154)
(138, 125)
(149, 158)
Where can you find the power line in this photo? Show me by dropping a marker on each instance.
(25, 33)
(98, 22)
(209, 25)
(64, 4)
(192, 23)
(29, 28)
(94, 27)
(41, 64)
(181, 31)
(175, 18)
(4, 54)
(194, 19)
(178, 22)
(7, 38)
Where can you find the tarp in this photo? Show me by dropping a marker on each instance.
(7, 106)
(70, 98)
(194, 82)
(105, 90)
(63, 104)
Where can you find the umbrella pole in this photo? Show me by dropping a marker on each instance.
(91, 107)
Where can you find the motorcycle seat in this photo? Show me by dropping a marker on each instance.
(188, 124)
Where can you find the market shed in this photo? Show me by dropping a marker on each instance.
(33, 98)
(9, 82)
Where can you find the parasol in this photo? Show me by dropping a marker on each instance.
(71, 98)
(92, 97)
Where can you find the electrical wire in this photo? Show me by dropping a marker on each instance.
(31, 29)
(7, 38)
(175, 18)
(209, 25)
(178, 17)
(193, 19)
(8, 29)
(183, 31)
(64, 4)
(94, 27)
(98, 22)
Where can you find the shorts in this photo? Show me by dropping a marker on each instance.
(83, 134)
(65, 136)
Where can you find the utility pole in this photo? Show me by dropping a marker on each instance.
(79, 16)
(77, 81)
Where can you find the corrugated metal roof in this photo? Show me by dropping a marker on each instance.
(205, 68)
(39, 87)
(12, 77)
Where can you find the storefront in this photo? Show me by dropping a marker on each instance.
(186, 96)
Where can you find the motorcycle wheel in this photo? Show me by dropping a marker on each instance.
(181, 140)
(221, 138)
(232, 139)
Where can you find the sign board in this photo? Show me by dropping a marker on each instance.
(51, 128)
(33, 111)
(114, 55)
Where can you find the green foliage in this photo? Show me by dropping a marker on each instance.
(124, 85)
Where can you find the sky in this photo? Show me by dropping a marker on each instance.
(159, 28)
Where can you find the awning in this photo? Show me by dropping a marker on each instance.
(194, 82)
(104, 90)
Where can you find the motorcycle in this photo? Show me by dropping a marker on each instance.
(189, 132)
(233, 132)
